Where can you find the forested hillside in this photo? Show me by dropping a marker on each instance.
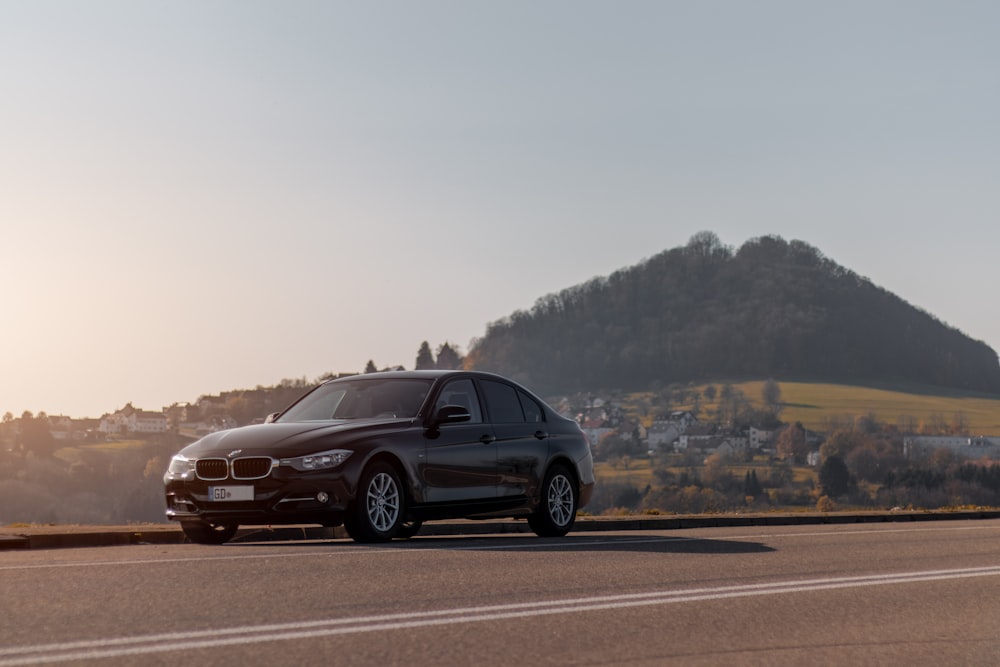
(772, 308)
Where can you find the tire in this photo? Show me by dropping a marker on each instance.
(378, 510)
(557, 505)
(202, 532)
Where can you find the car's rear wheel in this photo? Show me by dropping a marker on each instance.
(377, 512)
(557, 506)
(203, 532)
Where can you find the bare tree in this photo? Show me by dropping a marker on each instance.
(771, 393)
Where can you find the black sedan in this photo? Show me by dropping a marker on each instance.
(383, 452)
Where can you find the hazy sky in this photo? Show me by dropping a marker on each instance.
(204, 196)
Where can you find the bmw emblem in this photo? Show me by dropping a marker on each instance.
(234, 452)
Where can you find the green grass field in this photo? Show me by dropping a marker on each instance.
(73, 453)
(639, 472)
(817, 404)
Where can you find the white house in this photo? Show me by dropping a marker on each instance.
(131, 420)
(149, 422)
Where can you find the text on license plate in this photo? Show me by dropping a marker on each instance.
(230, 493)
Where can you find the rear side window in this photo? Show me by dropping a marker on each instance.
(502, 402)
(532, 410)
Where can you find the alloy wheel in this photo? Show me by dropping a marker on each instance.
(383, 502)
(560, 500)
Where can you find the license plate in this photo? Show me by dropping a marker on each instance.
(222, 494)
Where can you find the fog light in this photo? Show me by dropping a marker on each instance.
(322, 497)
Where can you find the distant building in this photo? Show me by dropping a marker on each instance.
(965, 447)
(662, 434)
(701, 437)
(60, 427)
(760, 438)
(666, 433)
(131, 420)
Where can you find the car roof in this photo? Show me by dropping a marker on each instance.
(432, 374)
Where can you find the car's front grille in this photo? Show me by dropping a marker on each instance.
(256, 467)
(212, 469)
(250, 467)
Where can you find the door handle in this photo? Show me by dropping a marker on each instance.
(541, 435)
(487, 439)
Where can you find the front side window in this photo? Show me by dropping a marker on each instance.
(461, 393)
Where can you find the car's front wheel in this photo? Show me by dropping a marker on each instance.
(556, 511)
(378, 510)
(202, 532)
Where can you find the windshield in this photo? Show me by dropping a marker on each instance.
(360, 399)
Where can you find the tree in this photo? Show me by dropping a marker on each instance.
(36, 436)
(791, 443)
(842, 442)
(448, 358)
(751, 485)
(834, 478)
(425, 358)
(614, 446)
(241, 410)
(733, 407)
(706, 244)
(771, 393)
(370, 367)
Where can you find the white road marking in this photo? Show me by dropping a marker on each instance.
(114, 647)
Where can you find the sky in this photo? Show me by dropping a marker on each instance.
(200, 197)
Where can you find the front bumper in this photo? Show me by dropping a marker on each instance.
(321, 498)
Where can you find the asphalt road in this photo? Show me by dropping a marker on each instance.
(872, 594)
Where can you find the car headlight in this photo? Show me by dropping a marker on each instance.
(320, 461)
(179, 465)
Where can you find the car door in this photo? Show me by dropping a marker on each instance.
(522, 438)
(461, 459)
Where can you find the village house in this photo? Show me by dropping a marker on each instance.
(733, 445)
(131, 420)
(61, 427)
(760, 438)
(706, 444)
(964, 447)
(664, 433)
(683, 419)
(699, 436)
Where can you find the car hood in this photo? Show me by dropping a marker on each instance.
(287, 439)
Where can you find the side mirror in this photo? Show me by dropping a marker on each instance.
(271, 417)
(451, 414)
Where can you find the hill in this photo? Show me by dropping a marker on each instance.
(772, 308)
